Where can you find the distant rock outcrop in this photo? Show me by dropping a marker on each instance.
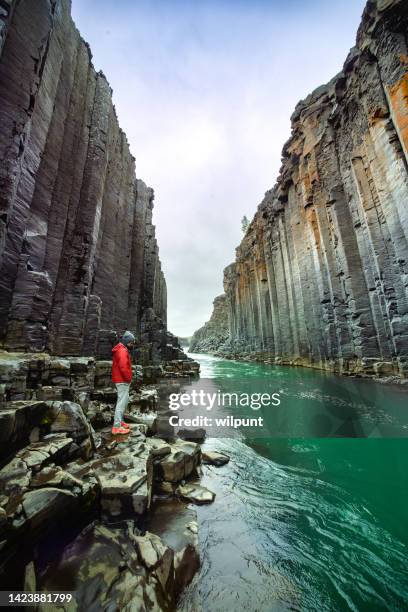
(321, 276)
(212, 336)
(79, 260)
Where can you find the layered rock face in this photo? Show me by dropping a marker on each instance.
(64, 479)
(79, 260)
(212, 336)
(321, 276)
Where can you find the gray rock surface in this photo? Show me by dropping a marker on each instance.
(115, 568)
(214, 334)
(180, 463)
(176, 524)
(320, 278)
(195, 493)
(79, 260)
(214, 458)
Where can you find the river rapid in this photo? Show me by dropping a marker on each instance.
(313, 521)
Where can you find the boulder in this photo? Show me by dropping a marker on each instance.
(192, 435)
(157, 557)
(186, 563)
(195, 493)
(180, 463)
(30, 581)
(176, 524)
(69, 417)
(214, 458)
(44, 505)
(158, 448)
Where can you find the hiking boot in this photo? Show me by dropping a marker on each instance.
(125, 425)
(119, 430)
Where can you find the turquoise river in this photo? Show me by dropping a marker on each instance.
(312, 514)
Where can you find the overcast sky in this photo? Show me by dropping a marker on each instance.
(204, 90)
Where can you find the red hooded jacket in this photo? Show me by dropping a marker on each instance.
(121, 364)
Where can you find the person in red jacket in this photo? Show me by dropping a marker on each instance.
(122, 377)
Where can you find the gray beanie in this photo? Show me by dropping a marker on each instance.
(127, 338)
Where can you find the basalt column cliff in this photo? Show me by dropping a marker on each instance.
(212, 336)
(321, 276)
(78, 254)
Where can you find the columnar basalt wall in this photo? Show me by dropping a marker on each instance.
(78, 255)
(321, 276)
(211, 337)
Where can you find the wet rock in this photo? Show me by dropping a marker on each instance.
(43, 505)
(56, 477)
(214, 458)
(13, 375)
(165, 488)
(158, 448)
(181, 368)
(125, 479)
(186, 565)
(151, 373)
(30, 581)
(16, 474)
(83, 398)
(57, 371)
(181, 463)
(155, 555)
(103, 569)
(195, 493)
(82, 373)
(3, 518)
(177, 527)
(192, 435)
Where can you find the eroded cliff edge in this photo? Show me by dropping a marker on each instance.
(321, 276)
(79, 260)
(213, 335)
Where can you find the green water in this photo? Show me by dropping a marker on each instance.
(307, 523)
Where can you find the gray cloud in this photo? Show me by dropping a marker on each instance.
(204, 92)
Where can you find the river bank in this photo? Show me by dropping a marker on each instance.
(309, 522)
(76, 502)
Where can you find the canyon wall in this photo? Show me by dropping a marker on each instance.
(212, 336)
(79, 260)
(321, 276)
